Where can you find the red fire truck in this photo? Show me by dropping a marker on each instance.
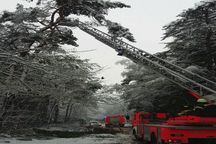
(158, 128)
(116, 120)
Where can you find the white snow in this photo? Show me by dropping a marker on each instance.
(90, 139)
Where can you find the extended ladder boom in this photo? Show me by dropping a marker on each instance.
(193, 82)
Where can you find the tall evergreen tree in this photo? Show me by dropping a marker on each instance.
(193, 36)
(32, 56)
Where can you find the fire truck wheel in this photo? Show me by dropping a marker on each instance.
(153, 139)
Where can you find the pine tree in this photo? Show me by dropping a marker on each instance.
(193, 37)
(33, 59)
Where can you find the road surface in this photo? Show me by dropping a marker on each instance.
(88, 139)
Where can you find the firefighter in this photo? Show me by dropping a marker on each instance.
(127, 116)
(201, 103)
(197, 110)
(120, 51)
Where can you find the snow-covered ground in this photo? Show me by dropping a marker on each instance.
(90, 139)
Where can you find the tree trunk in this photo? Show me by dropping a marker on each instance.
(70, 110)
(52, 114)
(66, 113)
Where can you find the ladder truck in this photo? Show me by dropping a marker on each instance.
(159, 128)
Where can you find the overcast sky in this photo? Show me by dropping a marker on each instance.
(145, 20)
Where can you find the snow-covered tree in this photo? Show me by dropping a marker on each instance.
(193, 36)
(33, 59)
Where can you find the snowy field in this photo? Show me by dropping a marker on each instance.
(90, 139)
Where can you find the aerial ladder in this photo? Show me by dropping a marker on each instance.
(194, 83)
